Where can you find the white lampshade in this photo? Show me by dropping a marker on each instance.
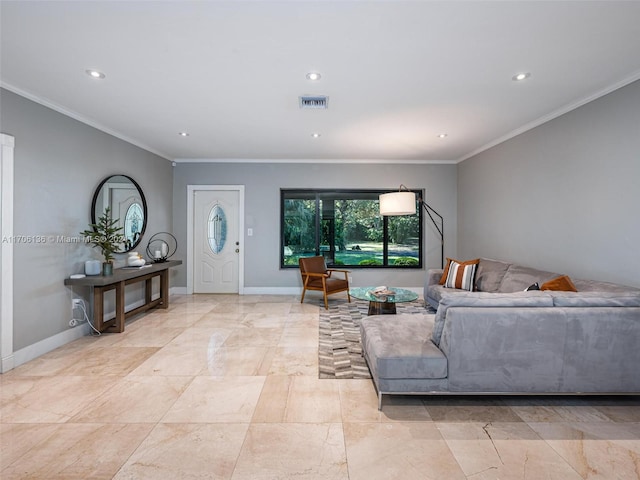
(398, 203)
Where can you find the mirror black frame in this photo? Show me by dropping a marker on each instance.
(144, 207)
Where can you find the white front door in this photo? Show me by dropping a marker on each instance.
(216, 241)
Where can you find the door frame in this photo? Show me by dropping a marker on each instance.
(7, 143)
(191, 190)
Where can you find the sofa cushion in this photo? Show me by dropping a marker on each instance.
(461, 275)
(562, 283)
(486, 300)
(595, 299)
(400, 346)
(489, 274)
(445, 272)
(518, 278)
(598, 286)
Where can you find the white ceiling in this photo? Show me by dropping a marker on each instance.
(397, 73)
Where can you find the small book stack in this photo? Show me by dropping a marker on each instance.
(381, 292)
(136, 267)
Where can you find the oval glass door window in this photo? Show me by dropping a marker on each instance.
(217, 230)
(133, 223)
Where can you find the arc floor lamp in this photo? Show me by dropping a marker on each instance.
(403, 202)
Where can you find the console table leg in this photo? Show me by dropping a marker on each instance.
(147, 290)
(98, 308)
(119, 326)
(164, 288)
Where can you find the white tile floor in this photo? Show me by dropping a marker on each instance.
(227, 387)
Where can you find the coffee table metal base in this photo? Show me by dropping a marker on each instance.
(381, 308)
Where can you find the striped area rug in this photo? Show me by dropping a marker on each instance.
(340, 350)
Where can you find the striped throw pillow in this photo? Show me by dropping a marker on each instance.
(461, 275)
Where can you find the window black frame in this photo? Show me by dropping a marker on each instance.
(318, 194)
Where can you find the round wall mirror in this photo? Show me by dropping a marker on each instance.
(124, 197)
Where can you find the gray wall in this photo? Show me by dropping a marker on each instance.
(562, 197)
(58, 164)
(262, 210)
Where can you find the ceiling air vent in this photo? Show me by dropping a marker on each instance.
(314, 102)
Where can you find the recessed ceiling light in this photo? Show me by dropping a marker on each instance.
(442, 135)
(95, 74)
(315, 135)
(183, 134)
(313, 76)
(521, 76)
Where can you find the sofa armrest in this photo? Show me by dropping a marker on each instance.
(432, 278)
(434, 275)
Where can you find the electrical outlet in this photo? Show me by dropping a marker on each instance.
(77, 313)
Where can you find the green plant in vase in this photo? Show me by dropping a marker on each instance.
(107, 236)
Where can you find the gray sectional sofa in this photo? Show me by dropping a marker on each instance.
(500, 339)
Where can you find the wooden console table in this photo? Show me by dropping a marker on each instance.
(120, 278)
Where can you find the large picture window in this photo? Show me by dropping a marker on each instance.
(345, 226)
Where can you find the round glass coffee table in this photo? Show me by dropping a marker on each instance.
(383, 304)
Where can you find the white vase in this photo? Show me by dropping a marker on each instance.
(92, 267)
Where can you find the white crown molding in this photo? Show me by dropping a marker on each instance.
(76, 116)
(312, 160)
(555, 114)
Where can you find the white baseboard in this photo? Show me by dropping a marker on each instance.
(298, 290)
(251, 291)
(272, 290)
(7, 363)
(44, 346)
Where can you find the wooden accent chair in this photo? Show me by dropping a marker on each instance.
(316, 276)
